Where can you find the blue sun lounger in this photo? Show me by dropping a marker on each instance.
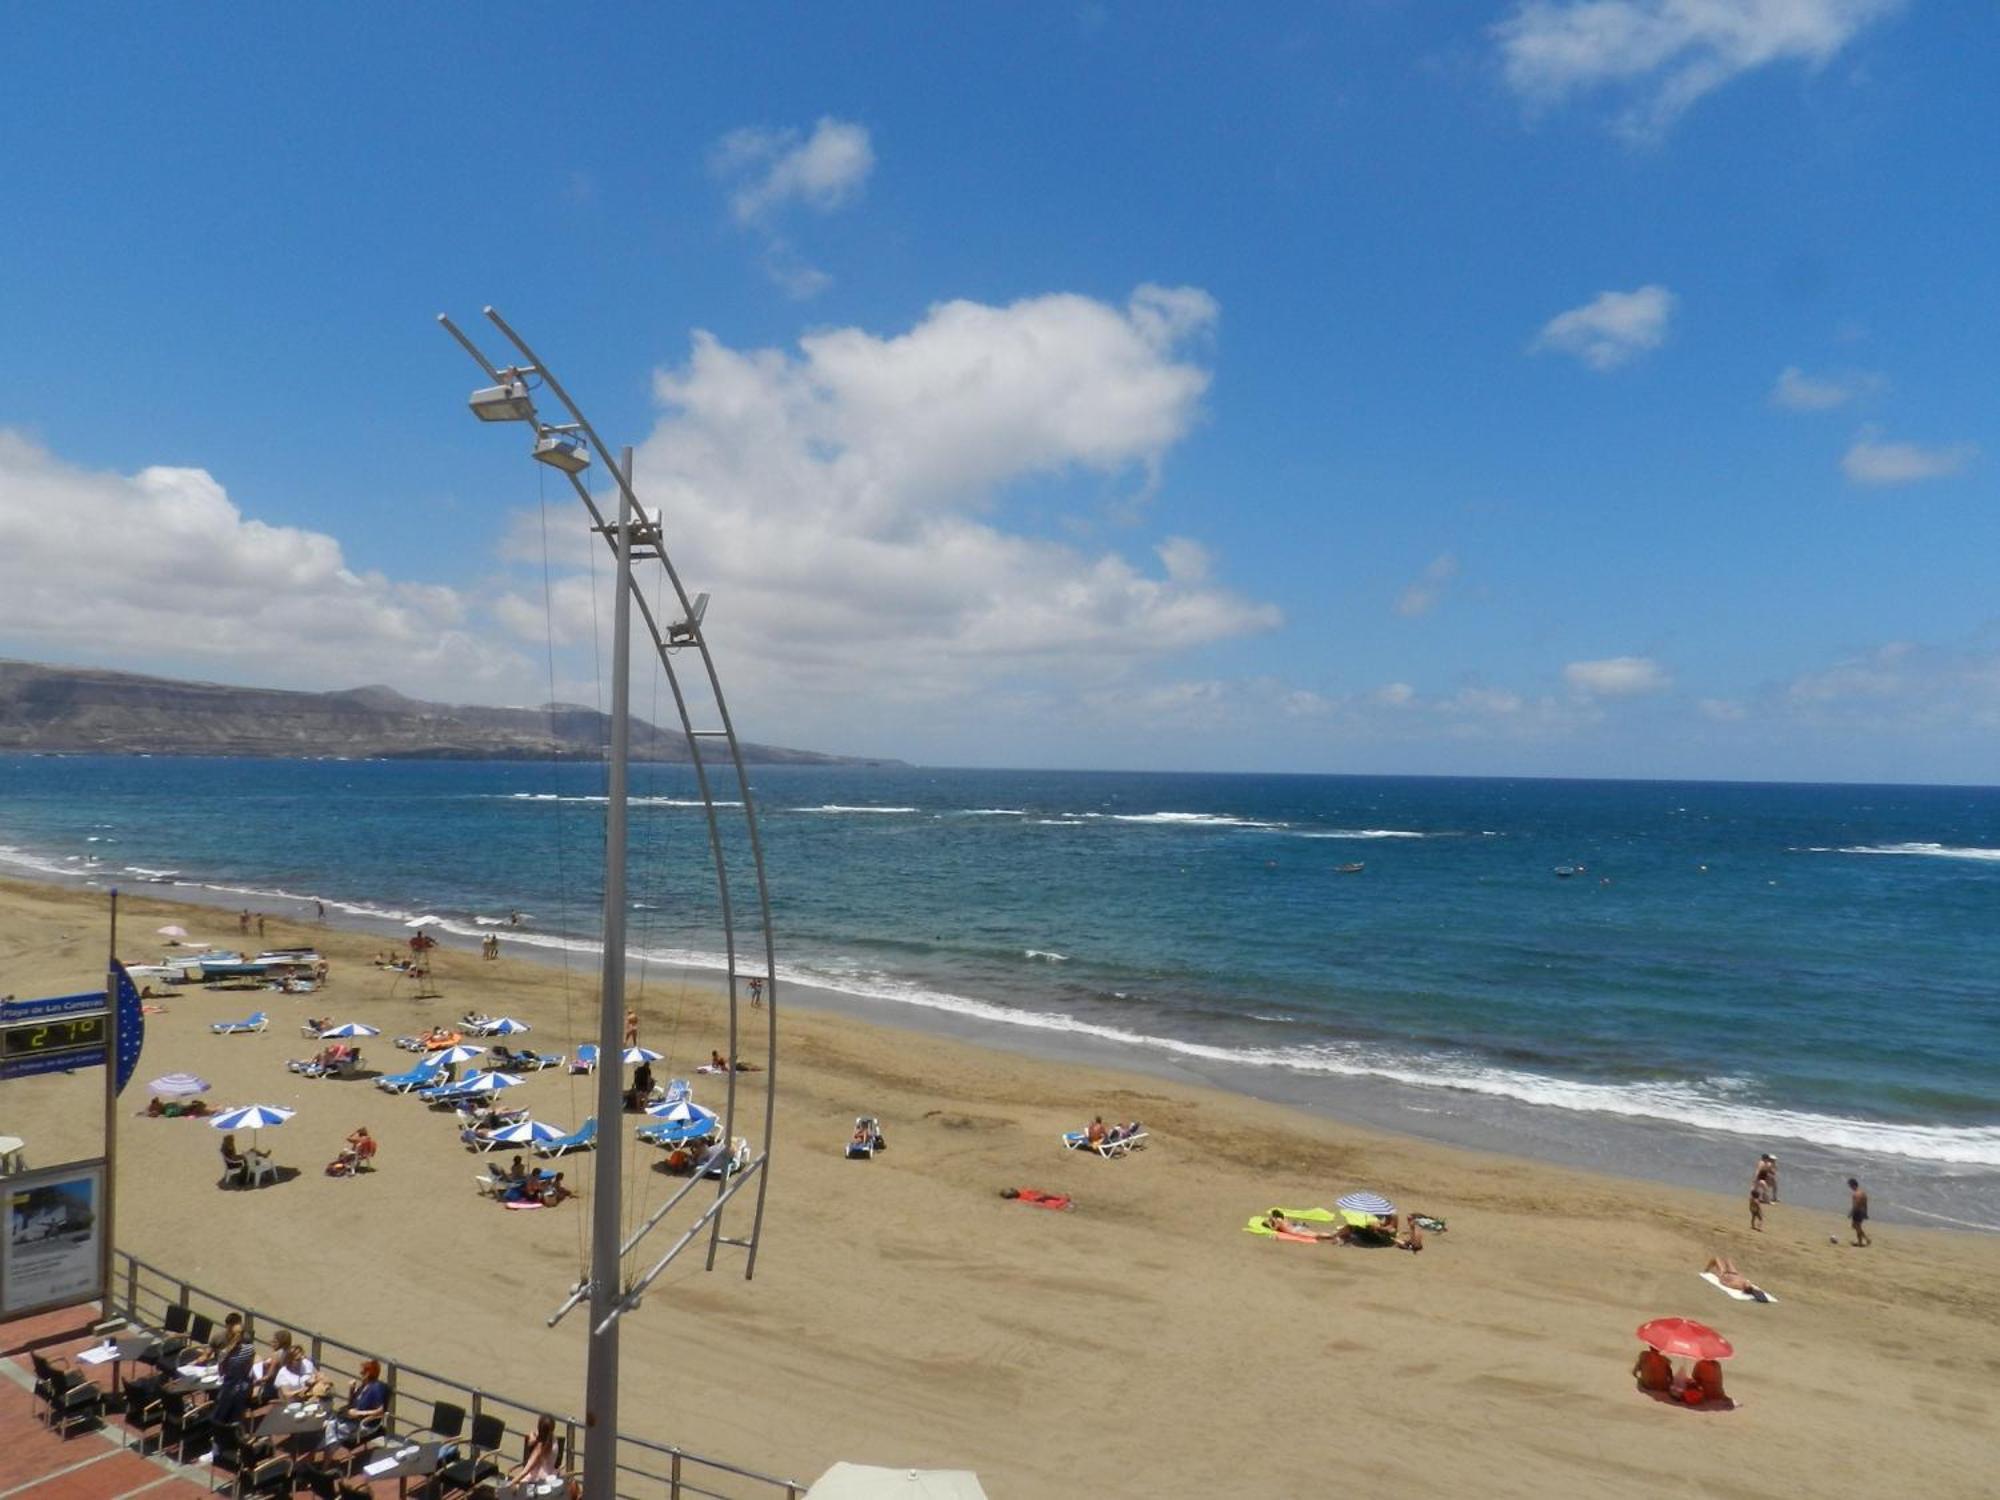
(586, 1059)
(583, 1138)
(256, 1022)
(422, 1076)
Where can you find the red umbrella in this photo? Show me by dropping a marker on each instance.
(1686, 1338)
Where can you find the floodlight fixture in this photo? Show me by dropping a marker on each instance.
(562, 450)
(505, 402)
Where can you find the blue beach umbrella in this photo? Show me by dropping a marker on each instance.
(633, 1056)
(352, 1028)
(252, 1117)
(681, 1122)
(530, 1133)
(1365, 1203)
(486, 1083)
(450, 1056)
(507, 1026)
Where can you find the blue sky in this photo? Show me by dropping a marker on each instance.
(1517, 388)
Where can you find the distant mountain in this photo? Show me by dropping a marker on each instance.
(81, 709)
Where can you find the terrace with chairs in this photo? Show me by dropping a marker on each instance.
(141, 1410)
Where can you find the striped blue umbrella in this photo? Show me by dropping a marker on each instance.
(1365, 1203)
(681, 1122)
(252, 1117)
(530, 1133)
(352, 1028)
(507, 1026)
(633, 1056)
(486, 1083)
(453, 1055)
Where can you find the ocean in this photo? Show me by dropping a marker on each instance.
(1727, 968)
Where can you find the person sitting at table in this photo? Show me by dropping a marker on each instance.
(366, 1405)
(543, 1458)
(294, 1376)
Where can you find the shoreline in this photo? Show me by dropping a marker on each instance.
(972, 1323)
(1634, 1148)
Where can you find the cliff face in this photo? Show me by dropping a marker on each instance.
(80, 709)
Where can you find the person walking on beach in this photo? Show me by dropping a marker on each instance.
(243, 921)
(319, 911)
(756, 994)
(631, 1027)
(1757, 1202)
(260, 924)
(492, 946)
(1857, 1210)
(1767, 1173)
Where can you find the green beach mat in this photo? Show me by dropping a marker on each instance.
(1304, 1215)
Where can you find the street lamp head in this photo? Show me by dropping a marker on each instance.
(562, 450)
(505, 402)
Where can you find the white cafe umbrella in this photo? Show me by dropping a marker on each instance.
(177, 1085)
(845, 1481)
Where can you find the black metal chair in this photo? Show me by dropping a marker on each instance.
(171, 1339)
(475, 1464)
(184, 1421)
(446, 1423)
(69, 1399)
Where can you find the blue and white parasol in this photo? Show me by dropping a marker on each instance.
(507, 1026)
(486, 1083)
(351, 1028)
(451, 1056)
(1365, 1203)
(681, 1122)
(633, 1056)
(529, 1133)
(252, 1117)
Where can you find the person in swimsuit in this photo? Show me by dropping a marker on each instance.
(1857, 1210)
(1723, 1269)
(1767, 1173)
(1759, 1192)
(1704, 1383)
(1277, 1223)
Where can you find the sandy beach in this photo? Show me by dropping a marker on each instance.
(905, 1313)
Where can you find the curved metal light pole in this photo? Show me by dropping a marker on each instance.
(636, 537)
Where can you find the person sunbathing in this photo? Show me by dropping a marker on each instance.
(1094, 1133)
(1723, 1269)
(717, 1063)
(863, 1136)
(1653, 1370)
(1277, 1223)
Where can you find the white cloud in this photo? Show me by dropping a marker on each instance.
(1421, 597)
(1395, 695)
(847, 504)
(1663, 55)
(1871, 461)
(1902, 687)
(1612, 328)
(1617, 677)
(1797, 391)
(160, 570)
(772, 169)
(1723, 710)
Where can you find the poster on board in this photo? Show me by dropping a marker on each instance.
(52, 1251)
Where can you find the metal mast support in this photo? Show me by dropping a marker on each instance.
(107, 1211)
(600, 1438)
(638, 537)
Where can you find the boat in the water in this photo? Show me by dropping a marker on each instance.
(1353, 869)
(1563, 872)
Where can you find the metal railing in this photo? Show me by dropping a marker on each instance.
(647, 1470)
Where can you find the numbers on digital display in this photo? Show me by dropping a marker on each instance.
(36, 1038)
